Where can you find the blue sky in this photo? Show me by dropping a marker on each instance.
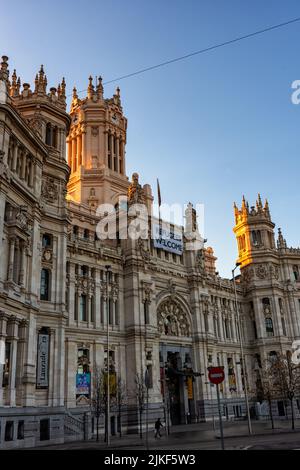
(212, 127)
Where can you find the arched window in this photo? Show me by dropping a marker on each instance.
(269, 326)
(75, 231)
(45, 285)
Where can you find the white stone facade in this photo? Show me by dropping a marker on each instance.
(162, 308)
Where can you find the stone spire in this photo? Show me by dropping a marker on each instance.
(100, 88)
(259, 203)
(281, 242)
(90, 89)
(14, 84)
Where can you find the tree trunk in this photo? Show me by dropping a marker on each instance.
(141, 431)
(97, 431)
(120, 422)
(293, 415)
(271, 413)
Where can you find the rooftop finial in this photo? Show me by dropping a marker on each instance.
(100, 88)
(4, 72)
(90, 89)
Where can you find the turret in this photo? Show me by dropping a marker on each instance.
(253, 229)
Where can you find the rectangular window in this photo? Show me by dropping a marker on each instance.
(83, 308)
(92, 309)
(44, 430)
(110, 308)
(21, 430)
(9, 431)
(6, 368)
(117, 312)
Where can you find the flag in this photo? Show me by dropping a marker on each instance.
(158, 193)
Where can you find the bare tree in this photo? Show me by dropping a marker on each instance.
(98, 400)
(264, 387)
(121, 400)
(285, 379)
(141, 394)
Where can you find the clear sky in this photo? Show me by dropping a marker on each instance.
(212, 127)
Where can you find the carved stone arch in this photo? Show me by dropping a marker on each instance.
(173, 318)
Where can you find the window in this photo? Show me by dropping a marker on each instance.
(296, 273)
(6, 367)
(17, 262)
(254, 329)
(49, 134)
(269, 326)
(21, 430)
(110, 311)
(44, 430)
(9, 431)
(45, 282)
(47, 240)
(75, 231)
(86, 234)
(84, 270)
(227, 335)
(92, 309)
(83, 308)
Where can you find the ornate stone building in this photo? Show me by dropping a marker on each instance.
(62, 287)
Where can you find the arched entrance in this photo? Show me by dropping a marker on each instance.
(175, 361)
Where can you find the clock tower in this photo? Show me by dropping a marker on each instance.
(96, 148)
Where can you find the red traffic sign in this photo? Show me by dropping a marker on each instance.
(216, 375)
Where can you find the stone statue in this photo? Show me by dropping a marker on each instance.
(135, 192)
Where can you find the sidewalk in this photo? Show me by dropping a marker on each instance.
(188, 433)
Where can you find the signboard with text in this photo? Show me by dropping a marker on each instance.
(42, 373)
(167, 239)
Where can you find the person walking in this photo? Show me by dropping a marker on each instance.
(158, 425)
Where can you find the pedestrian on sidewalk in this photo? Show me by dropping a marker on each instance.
(158, 425)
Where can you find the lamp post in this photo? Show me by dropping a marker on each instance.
(211, 403)
(107, 346)
(243, 362)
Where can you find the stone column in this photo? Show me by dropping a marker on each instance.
(13, 339)
(74, 155)
(15, 157)
(71, 369)
(22, 264)
(23, 164)
(79, 150)
(23, 324)
(69, 142)
(123, 156)
(97, 300)
(106, 148)
(3, 334)
(117, 154)
(112, 150)
(11, 258)
(83, 146)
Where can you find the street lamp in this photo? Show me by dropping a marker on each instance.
(107, 384)
(242, 351)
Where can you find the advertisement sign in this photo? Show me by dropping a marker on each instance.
(190, 387)
(83, 383)
(42, 361)
(167, 240)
